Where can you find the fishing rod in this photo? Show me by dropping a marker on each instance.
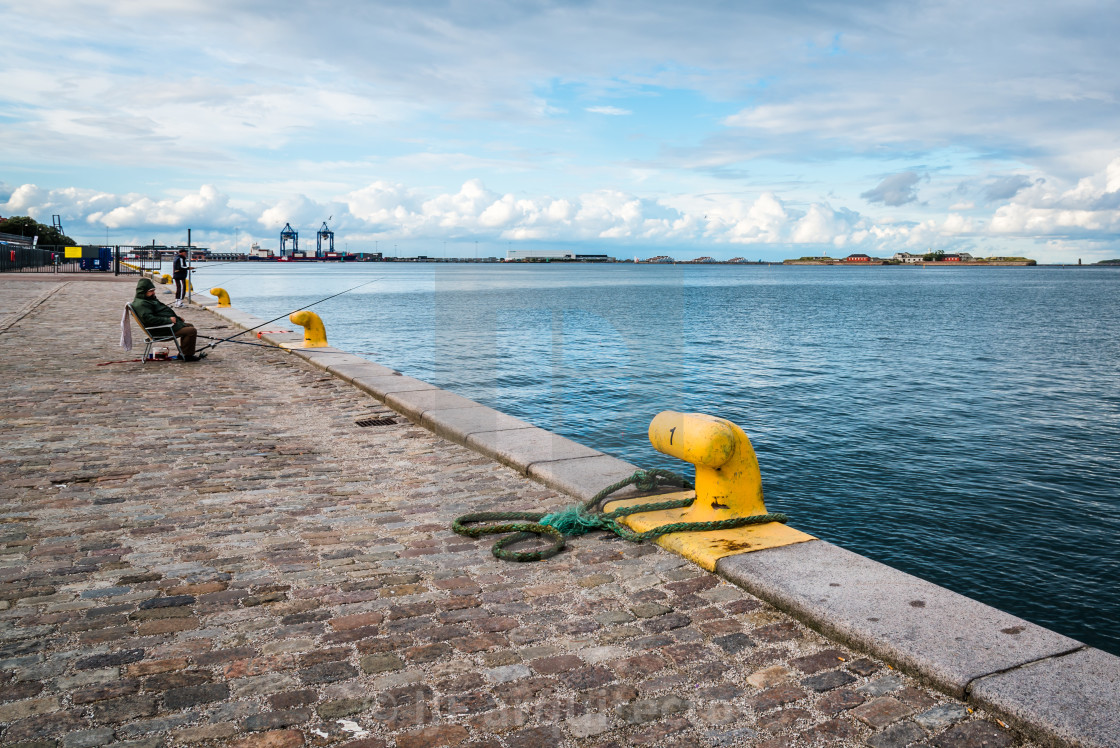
(208, 266)
(239, 342)
(227, 280)
(192, 269)
(300, 309)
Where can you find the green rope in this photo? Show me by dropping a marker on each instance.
(582, 519)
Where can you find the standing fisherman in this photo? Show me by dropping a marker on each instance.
(179, 274)
(152, 312)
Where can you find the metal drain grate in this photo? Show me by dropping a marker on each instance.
(380, 421)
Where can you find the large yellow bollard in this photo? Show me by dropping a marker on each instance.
(728, 486)
(314, 334)
(165, 279)
(223, 297)
(728, 482)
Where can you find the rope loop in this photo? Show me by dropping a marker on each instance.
(524, 530)
(581, 519)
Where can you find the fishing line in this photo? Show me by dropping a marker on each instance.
(226, 280)
(300, 309)
(239, 342)
(207, 267)
(219, 264)
(192, 270)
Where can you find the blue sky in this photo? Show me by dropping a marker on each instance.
(762, 130)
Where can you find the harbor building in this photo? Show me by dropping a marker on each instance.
(906, 258)
(552, 255)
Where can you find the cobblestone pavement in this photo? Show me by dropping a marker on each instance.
(19, 297)
(215, 553)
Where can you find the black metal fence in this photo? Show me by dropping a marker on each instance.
(20, 258)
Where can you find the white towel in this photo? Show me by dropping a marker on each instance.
(126, 331)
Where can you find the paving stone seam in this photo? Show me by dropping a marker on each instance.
(31, 306)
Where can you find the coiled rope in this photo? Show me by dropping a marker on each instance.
(583, 518)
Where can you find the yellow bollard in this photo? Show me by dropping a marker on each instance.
(314, 334)
(728, 486)
(165, 279)
(728, 482)
(223, 297)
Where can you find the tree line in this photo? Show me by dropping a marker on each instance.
(26, 226)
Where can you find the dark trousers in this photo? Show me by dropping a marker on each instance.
(180, 288)
(188, 337)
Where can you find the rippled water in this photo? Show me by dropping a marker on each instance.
(961, 424)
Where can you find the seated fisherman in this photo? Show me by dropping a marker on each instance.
(152, 311)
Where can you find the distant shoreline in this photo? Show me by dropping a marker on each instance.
(932, 263)
(753, 263)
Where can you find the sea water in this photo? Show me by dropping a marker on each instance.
(960, 424)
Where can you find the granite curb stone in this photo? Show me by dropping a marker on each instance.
(1074, 698)
(381, 387)
(355, 367)
(522, 448)
(457, 424)
(1052, 687)
(584, 477)
(416, 403)
(925, 629)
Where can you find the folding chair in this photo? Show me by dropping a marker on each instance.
(155, 334)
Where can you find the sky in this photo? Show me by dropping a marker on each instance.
(755, 129)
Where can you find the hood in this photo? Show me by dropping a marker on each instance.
(142, 287)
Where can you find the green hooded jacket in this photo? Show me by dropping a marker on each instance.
(153, 311)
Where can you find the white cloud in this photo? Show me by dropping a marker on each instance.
(297, 210)
(1092, 205)
(559, 211)
(609, 110)
(462, 209)
(609, 214)
(29, 199)
(955, 224)
(500, 213)
(823, 225)
(1112, 177)
(1088, 207)
(763, 221)
(380, 202)
(208, 207)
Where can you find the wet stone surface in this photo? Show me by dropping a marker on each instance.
(214, 554)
